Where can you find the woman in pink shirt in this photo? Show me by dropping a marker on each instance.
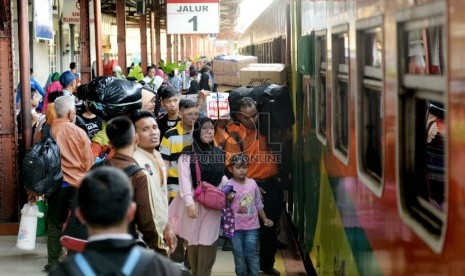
(198, 225)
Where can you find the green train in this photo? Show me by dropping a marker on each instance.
(377, 180)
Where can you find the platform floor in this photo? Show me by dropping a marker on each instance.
(15, 261)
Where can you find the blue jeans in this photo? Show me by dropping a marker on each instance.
(245, 251)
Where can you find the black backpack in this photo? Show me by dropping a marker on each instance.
(42, 168)
(276, 101)
(272, 100)
(74, 233)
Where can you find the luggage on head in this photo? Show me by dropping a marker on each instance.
(110, 97)
(273, 103)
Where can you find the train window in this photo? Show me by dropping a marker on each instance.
(340, 96)
(320, 80)
(425, 51)
(422, 112)
(370, 112)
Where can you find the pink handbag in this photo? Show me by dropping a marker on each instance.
(207, 194)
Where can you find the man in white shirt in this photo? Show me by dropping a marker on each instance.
(154, 77)
(150, 159)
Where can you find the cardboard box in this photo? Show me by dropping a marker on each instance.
(263, 73)
(232, 64)
(228, 79)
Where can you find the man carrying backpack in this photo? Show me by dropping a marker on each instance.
(76, 160)
(122, 136)
(105, 206)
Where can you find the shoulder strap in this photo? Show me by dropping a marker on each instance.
(143, 261)
(132, 169)
(136, 256)
(129, 170)
(104, 162)
(131, 261)
(236, 137)
(46, 131)
(197, 168)
(83, 265)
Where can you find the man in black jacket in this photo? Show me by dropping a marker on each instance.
(105, 206)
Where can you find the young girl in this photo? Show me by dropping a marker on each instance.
(247, 206)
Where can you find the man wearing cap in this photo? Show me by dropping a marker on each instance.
(68, 81)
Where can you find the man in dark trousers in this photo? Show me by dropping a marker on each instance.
(105, 205)
(244, 136)
(122, 136)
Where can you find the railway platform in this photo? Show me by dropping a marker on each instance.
(14, 261)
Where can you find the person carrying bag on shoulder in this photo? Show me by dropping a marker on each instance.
(205, 193)
(105, 205)
(197, 223)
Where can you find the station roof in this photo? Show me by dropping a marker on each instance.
(229, 12)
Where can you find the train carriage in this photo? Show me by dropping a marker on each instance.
(378, 87)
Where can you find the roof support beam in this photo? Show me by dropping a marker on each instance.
(152, 38)
(85, 42)
(143, 43)
(121, 34)
(98, 37)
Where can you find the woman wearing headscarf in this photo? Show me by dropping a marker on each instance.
(198, 225)
(53, 86)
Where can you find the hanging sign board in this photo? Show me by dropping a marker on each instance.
(193, 16)
(71, 12)
(43, 19)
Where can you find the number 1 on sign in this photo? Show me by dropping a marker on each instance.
(194, 20)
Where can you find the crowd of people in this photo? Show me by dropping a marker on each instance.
(173, 145)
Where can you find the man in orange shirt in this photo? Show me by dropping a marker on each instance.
(76, 160)
(244, 136)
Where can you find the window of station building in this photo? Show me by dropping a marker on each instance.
(77, 51)
(422, 115)
(340, 92)
(370, 111)
(52, 54)
(320, 85)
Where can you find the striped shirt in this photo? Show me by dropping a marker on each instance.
(171, 147)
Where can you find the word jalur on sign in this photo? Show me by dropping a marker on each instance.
(192, 16)
(190, 8)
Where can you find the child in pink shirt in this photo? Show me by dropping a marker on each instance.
(247, 206)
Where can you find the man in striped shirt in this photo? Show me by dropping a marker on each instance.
(172, 144)
(175, 139)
